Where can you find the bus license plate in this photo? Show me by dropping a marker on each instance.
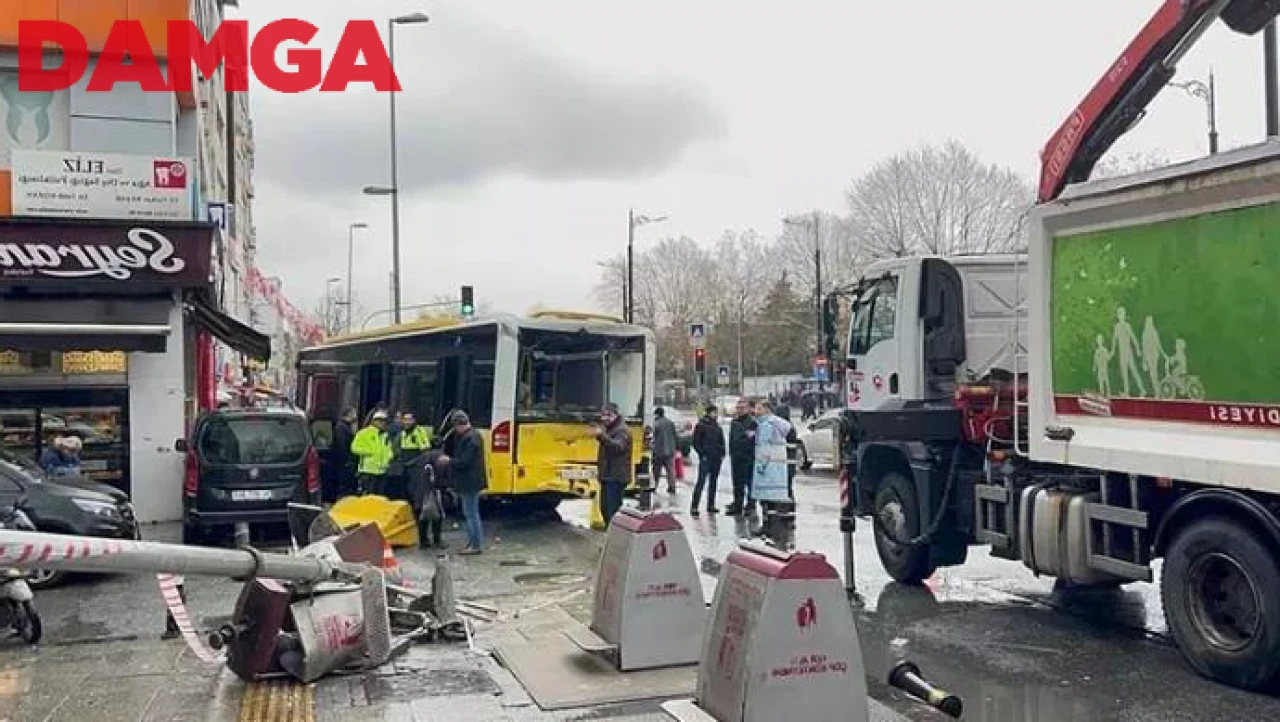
(578, 474)
(251, 495)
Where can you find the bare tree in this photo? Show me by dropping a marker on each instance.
(332, 312)
(843, 251)
(942, 201)
(1113, 166)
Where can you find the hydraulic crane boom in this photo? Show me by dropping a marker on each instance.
(1120, 98)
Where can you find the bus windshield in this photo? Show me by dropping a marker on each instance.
(570, 378)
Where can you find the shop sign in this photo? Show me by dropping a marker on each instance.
(66, 184)
(166, 254)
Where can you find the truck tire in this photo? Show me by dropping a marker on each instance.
(1221, 593)
(896, 500)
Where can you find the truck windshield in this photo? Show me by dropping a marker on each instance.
(875, 316)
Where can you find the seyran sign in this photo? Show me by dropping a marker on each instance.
(127, 56)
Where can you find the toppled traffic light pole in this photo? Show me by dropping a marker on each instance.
(322, 610)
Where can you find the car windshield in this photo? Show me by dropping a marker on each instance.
(21, 466)
(253, 440)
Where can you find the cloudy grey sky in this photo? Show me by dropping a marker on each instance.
(528, 128)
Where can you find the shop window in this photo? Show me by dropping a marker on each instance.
(101, 430)
(16, 363)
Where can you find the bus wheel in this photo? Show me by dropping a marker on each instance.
(897, 516)
(1221, 593)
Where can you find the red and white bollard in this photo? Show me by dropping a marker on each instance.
(782, 644)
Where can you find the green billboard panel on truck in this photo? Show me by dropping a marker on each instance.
(1175, 320)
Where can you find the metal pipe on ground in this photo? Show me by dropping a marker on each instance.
(34, 550)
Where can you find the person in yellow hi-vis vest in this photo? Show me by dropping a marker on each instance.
(409, 446)
(372, 446)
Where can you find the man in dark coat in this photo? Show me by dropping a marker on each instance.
(613, 461)
(468, 477)
(666, 441)
(742, 458)
(708, 441)
(342, 469)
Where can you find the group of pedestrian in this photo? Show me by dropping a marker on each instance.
(761, 449)
(394, 457)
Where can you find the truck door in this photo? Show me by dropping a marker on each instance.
(873, 376)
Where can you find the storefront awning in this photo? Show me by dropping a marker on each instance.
(84, 324)
(228, 330)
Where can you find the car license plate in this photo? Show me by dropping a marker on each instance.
(578, 474)
(251, 495)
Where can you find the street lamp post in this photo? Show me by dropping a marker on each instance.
(351, 254)
(815, 221)
(1208, 94)
(410, 19)
(329, 321)
(633, 222)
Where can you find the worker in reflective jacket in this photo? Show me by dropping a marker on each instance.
(410, 446)
(372, 446)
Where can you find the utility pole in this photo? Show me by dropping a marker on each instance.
(631, 264)
(742, 320)
(817, 279)
(1272, 86)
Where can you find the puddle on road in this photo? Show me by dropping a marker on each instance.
(549, 578)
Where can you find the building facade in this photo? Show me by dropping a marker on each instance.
(127, 250)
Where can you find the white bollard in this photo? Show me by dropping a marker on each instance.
(782, 644)
(649, 611)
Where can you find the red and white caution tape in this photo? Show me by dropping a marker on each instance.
(171, 590)
(27, 554)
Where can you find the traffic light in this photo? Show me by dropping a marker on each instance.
(468, 302)
(700, 360)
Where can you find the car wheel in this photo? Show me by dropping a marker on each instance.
(32, 629)
(192, 534)
(45, 579)
(1221, 592)
(897, 516)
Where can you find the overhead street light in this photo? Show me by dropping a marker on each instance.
(633, 222)
(815, 221)
(351, 253)
(1208, 94)
(394, 189)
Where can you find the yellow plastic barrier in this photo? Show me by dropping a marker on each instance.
(394, 518)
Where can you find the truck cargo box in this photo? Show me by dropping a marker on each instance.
(1155, 322)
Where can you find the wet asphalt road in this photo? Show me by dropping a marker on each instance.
(989, 631)
(993, 633)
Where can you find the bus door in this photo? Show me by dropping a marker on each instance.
(373, 387)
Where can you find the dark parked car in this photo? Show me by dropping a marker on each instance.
(245, 466)
(64, 505)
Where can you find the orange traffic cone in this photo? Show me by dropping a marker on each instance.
(390, 567)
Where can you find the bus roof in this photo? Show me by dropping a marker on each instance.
(566, 321)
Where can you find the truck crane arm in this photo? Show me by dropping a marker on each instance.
(1121, 96)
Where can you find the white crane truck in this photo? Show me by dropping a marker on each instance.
(1111, 398)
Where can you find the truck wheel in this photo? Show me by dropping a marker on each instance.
(897, 516)
(1221, 593)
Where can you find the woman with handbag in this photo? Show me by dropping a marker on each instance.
(427, 481)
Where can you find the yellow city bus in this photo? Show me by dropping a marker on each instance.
(531, 385)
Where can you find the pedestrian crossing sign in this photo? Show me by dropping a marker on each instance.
(698, 334)
(722, 375)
